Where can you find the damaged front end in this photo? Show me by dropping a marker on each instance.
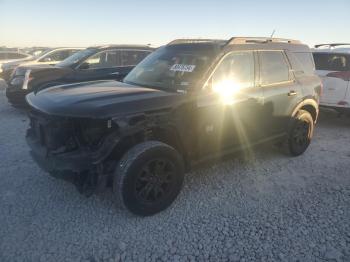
(74, 149)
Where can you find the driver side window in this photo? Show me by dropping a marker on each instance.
(235, 71)
(105, 59)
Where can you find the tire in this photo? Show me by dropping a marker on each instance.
(300, 133)
(148, 178)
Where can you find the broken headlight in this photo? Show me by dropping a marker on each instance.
(94, 131)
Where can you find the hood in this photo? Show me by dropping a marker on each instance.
(42, 74)
(101, 99)
(22, 69)
(33, 67)
(14, 63)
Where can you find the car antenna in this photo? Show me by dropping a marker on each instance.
(273, 33)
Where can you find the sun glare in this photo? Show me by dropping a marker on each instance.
(227, 88)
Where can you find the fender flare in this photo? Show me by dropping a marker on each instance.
(307, 102)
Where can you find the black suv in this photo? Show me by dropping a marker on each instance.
(189, 101)
(94, 63)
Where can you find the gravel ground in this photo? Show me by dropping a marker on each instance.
(270, 208)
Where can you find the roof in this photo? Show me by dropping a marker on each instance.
(104, 47)
(64, 48)
(246, 43)
(331, 45)
(332, 48)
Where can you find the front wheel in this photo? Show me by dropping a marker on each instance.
(300, 133)
(148, 178)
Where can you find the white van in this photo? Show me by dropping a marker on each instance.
(332, 63)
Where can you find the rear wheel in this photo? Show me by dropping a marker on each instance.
(148, 178)
(300, 133)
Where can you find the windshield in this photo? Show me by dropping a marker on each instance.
(43, 54)
(171, 67)
(76, 58)
(38, 53)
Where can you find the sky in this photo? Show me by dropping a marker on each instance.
(83, 23)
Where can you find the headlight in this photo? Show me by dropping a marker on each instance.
(17, 81)
(27, 79)
(94, 131)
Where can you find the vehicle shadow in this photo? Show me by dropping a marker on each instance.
(8, 109)
(2, 84)
(331, 118)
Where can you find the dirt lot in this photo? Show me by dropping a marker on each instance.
(271, 208)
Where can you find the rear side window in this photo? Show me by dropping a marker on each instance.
(133, 57)
(273, 67)
(332, 62)
(306, 61)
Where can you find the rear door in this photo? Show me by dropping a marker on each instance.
(334, 70)
(281, 92)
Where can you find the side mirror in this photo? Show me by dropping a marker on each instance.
(47, 59)
(84, 66)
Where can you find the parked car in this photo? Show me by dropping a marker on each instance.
(49, 57)
(94, 63)
(11, 56)
(7, 56)
(333, 66)
(188, 102)
(35, 51)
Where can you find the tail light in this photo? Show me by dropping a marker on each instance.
(27, 79)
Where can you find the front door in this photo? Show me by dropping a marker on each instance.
(105, 65)
(229, 108)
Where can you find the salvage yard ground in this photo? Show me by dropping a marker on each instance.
(270, 208)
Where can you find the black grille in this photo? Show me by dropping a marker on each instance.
(56, 134)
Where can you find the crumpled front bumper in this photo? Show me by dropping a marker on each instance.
(74, 162)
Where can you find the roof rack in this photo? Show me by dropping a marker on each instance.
(236, 41)
(331, 45)
(253, 40)
(191, 41)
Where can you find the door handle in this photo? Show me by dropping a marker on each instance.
(115, 73)
(292, 93)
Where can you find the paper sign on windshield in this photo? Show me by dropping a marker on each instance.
(183, 68)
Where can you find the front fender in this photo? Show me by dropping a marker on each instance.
(307, 103)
